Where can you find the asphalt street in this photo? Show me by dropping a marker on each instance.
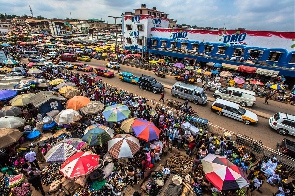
(261, 131)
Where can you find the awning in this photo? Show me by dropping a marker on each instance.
(267, 72)
(247, 69)
(229, 66)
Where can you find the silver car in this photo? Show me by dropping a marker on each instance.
(283, 123)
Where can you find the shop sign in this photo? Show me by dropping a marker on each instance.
(179, 35)
(234, 38)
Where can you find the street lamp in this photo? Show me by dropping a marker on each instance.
(116, 35)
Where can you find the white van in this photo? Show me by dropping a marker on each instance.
(237, 95)
(190, 92)
(233, 110)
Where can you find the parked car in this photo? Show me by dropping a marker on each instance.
(128, 77)
(150, 83)
(113, 65)
(233, 110)
(283, 123)
(287, 147)
(101, 71)
(84, 58)
(36, 59)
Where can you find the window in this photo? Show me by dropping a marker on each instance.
(140, 27)
(163, 43)
(236, 93)
(221, 50)
(139, 41)
(155, 42)
(140, 11)
(128, 39)
(274, 56)
(129, 27)
(292, 59)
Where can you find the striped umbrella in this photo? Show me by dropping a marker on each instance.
(123, 146)
(60, 152)
(145, 130)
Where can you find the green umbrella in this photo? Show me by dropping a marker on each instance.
(93, 135)
(116, 113)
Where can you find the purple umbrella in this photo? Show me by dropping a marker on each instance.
(179, 65)
(7, 94)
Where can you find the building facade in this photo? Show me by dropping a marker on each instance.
(137, 25)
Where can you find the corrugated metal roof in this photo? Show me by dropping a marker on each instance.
(44, 96)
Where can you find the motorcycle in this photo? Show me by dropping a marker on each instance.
(159, 74)
(173, 103)
(212, 86)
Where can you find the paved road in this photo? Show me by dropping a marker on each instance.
(261, 131)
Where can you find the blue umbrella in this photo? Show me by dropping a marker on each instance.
(5, 44)
(9, 62)
(7, 94)
(215, 72)
(33, 134)
(217, 65)
(116, 113)
(49, 126)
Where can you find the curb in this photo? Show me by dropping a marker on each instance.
(209, 99)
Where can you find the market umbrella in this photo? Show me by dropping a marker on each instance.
(65, 84)
(11, 122)
(72, 93)
(225, 74)
(53, 113)
(77, 143)
(5, 45)
(222, 173)
(189, 67)
(178, 65)
(123, 146)
(93, 135)
(208, 73)
(217, 65)
(92, 108)
(145, 130)
(116, 113)
(77, 102)
(67, 116)
(22, 100)
(10, 111)
(33, 134)
(109, 130)
(277, 87)
(56, 82)
(215, 72)
(153, 62)
(7, 94)
(257, 82)
(239, 80)
(126, 125)
(34, 71)
(80, 164)
(9, 62)
(60, 152)
(65, 89)
(9, 136)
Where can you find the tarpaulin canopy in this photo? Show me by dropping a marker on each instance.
(267, 72)
(247, 69)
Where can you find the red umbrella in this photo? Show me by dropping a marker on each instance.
(257, 82)
(80, 164)
(23, 43)
(31, 64)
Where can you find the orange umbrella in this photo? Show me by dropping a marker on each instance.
(77, 102)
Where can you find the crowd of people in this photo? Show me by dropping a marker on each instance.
(138, 168)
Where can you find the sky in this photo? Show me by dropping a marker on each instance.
(273, 15)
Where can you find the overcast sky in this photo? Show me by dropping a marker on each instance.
(277, 15)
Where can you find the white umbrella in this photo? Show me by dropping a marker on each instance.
(47, 120)
(123, 146)
(67, 116)
(34, 71)
(60, 152)
(11, 122)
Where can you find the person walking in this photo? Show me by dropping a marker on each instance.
(162, 97)
(31, 158)
(35, 180)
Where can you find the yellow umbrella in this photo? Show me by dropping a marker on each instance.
(199, 71)
(126, 125)
(208, 73)
(153, 62)
(56, 82)
(22, 100)
(104, 54)
(65, 89)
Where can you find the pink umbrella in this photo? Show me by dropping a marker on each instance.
(31, 64)
(239, 80)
